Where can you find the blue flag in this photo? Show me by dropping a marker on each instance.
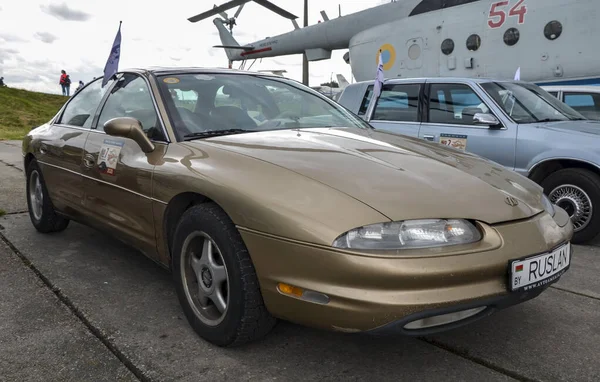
(112, 64)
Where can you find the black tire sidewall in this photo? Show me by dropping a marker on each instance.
(33, 167)
(207, 219)
(588, 182)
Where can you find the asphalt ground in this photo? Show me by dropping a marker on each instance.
(81, 306)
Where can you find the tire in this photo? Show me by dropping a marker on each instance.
(42, 214)
(578, 192)
(245, 318)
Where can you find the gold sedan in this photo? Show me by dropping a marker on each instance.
(267, 201)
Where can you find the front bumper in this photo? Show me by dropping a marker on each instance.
(383, 293)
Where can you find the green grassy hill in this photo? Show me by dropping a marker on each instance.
(21, 110)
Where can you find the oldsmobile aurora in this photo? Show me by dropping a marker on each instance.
(267, 201)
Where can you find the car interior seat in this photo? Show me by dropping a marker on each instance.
(233, 116)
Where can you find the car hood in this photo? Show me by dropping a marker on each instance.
(400, 177)
(587, 127)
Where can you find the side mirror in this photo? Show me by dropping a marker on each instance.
(127, 127)
(486, 119)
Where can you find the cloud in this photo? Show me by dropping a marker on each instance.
(63, 12)
(11, 38)
(7, 53)
(46, 37)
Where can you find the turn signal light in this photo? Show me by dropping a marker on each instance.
(303, 294)
(290, 289)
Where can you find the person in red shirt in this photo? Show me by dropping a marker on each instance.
(65, 83)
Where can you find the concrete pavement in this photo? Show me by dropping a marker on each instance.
(127, 306)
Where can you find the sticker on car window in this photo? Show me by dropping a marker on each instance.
(455, 141)
(171, 80)
(109, 156)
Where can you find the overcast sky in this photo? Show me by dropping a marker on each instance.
(39, 38)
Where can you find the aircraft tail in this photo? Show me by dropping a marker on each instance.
(229, 43)
(342, 81)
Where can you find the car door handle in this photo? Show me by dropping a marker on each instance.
(88, 161)
(429, 137)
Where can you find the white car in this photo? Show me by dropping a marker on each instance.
(584, 99)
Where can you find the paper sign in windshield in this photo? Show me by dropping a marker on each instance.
(456, 141)
(109, 156)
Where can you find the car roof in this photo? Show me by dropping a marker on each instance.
(438, 79)
(165, 70)
(585, 88)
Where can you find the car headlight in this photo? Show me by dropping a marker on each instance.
(410, 234)
(548, 206)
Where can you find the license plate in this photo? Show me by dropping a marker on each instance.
(537, 271)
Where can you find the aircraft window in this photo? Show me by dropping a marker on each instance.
(448, 46)
(553, 30)
(398, 103)
(366, 100)
(511, 36)
(454, 104)
(473, 42)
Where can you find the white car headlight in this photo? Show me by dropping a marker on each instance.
(410, 234)
(548, 206)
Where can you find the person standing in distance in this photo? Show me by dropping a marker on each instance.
(65, 83)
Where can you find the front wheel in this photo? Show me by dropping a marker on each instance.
(577, 191)
(41, 212)
(215, 279)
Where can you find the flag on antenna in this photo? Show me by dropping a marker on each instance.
(518, 74)
(112, 64)
(379, 79)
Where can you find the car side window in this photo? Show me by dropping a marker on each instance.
(398, 103)
(81, 109)
(131, 97)
(587, 104)
(555, 94)
(454, 104)
(364, 104)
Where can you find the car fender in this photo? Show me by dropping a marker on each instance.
(585, 156)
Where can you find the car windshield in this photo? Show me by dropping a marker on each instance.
(203, 105)
(528, 103)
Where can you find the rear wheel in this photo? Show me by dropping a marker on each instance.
(41, 212)
(215, 280)
(577, 191)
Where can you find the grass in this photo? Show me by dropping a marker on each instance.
(22, 110)
(2, 212)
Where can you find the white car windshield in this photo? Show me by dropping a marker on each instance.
(202, 105)
(528, 103)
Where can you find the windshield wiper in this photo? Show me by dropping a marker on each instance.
(550, 120)
(213, 133)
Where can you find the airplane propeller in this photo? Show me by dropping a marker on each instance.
(234, 3)
(230, 21)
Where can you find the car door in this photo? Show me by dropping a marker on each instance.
(119, 190)
(397, 109)
(449, 121)
(61, 153)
